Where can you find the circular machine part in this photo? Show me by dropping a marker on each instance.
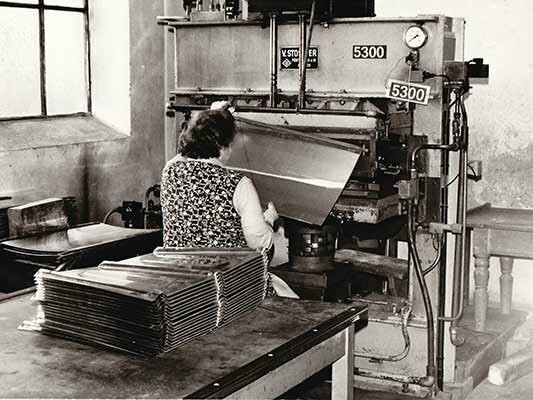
(311, 247)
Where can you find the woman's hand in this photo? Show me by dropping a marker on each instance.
(222, 105)
(271, 215)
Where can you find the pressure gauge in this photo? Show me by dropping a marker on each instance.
(415, 37)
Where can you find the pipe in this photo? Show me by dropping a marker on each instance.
(406, 380)
(460, 144)
(431, 146)
(444, 170)
(258, 94)
(459, 257)
(461, 131)
(303, 60)
(273, 59)
(406, 311)
(155, 189)
(430, 367)
(108, 215)
(466, 140)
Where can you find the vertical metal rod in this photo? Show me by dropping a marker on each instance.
(42, 58)
(171, 124)
(457, 284)
(88, 57)
(273, 59)
(301, 21)
(303, 60)
(306, 56)
(244, 10)
(460, 250)
(176, 53)
(444, 171)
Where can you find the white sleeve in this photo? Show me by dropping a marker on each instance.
(257, 232)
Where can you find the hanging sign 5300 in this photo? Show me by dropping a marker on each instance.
(407, 91)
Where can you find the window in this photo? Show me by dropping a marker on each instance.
(44, 58)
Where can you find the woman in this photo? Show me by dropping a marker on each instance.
(205, 204)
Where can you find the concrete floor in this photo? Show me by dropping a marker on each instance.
(521, 389)
(504, 334)
(481, 350)
(318, 387)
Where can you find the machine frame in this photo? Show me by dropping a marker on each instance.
(220, 65)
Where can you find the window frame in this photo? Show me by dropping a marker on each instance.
(41, 7)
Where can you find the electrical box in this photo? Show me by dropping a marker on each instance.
(324, 8)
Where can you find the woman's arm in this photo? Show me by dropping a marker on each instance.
(257, 232)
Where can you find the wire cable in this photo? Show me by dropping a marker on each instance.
(110, 213)
(473, 171)
(435, 262)
(452, 181)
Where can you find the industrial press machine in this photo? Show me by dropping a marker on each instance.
(355, 127)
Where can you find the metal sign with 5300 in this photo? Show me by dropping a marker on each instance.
(407, 91)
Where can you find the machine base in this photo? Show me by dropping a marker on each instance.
(330, 285)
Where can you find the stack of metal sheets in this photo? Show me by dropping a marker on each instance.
(152, 303)
(240, 274)
(243, 288)
(81, 246)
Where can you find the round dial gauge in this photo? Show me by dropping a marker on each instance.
(415, 37)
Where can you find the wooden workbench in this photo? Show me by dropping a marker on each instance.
(502, 232)
(261, 355)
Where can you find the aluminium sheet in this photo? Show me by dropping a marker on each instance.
(135, 284)
(113, 307)
(70, 332)
(90, 316)
(289, 168)
(75, 239)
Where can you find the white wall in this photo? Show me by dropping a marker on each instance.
(110, 62)
(102, 173)
(500, 113)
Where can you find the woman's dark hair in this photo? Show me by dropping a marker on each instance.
(206, 133)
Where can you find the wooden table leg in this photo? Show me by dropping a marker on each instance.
(481, 295)
(506, 284)
(343, 368)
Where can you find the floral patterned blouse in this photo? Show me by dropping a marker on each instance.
(197, 205)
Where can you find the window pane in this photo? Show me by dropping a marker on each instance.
(65, 62)
(64, 3)
(19, 63)
(25, 1)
